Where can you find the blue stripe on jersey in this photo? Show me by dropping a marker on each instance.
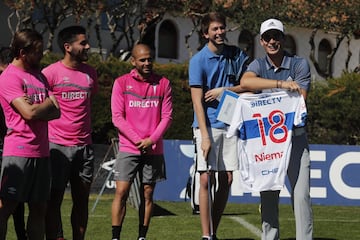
(253, 129)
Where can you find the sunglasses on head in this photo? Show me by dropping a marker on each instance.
(276, 35)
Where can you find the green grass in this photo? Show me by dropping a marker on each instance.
(174, 221)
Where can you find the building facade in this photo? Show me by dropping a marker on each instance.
(171, 45)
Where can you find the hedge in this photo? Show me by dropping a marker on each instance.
(333, 105)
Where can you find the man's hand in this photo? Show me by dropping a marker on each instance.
(27, 99)
(205, 147)
(290, 85)
(213, 94)
(144, 145)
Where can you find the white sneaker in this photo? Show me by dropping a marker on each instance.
(142, 238)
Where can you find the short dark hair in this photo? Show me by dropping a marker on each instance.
(68, 35)
(6, 55)
(209, 18)
(25, 39)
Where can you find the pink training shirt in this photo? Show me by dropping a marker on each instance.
(73, 89)
(23, 138)
(141, 109)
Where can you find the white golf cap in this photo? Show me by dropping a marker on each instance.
(271, 24)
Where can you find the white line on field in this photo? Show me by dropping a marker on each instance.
(247, 225)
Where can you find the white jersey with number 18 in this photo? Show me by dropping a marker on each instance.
(264, 123)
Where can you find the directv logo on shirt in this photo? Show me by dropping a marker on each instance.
(36, 98)
(264, 102)
(143, 104)
(74, 95)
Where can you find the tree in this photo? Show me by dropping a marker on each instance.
(245, 14)
(134, 21)
(340, 16)
(47, 15)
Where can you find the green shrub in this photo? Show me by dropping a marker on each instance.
(333, 105)
(333, 108)
(108, 70)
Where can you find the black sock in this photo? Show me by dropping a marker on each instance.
(116, 232)
(143, 230)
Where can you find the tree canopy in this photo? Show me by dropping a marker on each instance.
(137, 19)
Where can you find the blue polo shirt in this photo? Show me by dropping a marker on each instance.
(292, 68)
(208, 70)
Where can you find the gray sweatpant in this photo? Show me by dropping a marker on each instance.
(299, 178)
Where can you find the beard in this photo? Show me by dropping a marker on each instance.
(34, 65)
(81, 56)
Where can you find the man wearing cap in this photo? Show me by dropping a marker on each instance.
(279, 70)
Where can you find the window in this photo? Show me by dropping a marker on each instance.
(290, 45)
(246, 43)
(323, 53)
(168, 40)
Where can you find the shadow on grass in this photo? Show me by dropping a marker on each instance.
(236, 214)
(160, 211)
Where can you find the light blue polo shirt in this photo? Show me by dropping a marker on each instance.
(209, 70)
(292, 68)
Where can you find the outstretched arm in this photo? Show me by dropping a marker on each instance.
(215, 93)
(252, 82)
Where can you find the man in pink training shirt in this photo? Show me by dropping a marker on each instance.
(27, 106)
(6, 58)
(73, 83)
(141, 105)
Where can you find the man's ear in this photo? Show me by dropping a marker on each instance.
(67, 47)
(205, 36)
(132, 61)
(22, 53)
(261, 42)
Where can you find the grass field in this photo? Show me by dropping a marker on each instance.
(174, 221)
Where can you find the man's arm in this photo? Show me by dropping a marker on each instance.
(46, 111)
(215, 93)
(252, 82)
(118, 114)
(166, 114)
(165, 122)
(197, 99)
